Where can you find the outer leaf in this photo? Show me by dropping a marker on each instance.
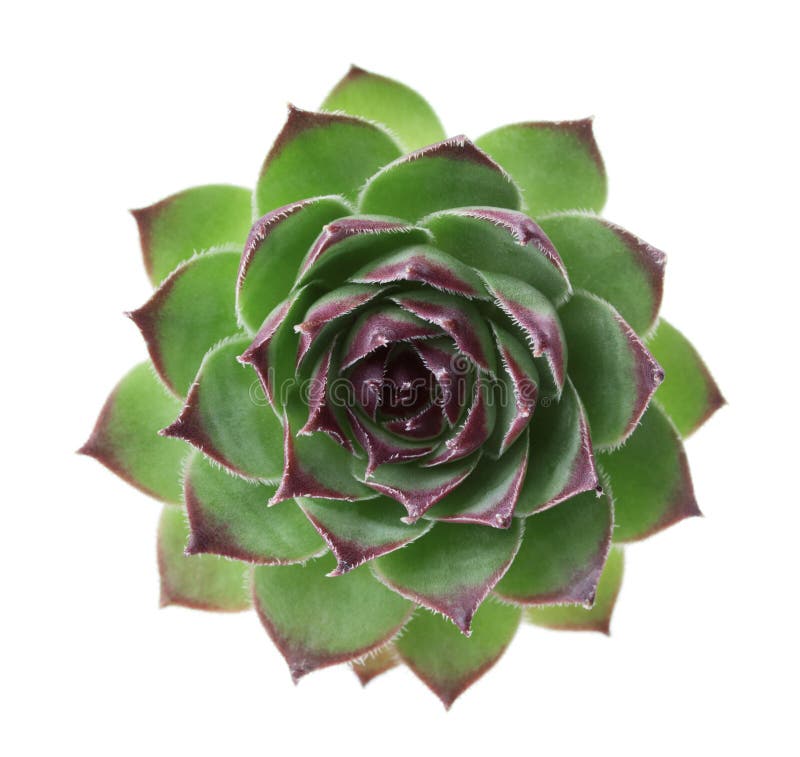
(649, 479)
(611, 368)
(562, 554)
(449, 174)
(191, 221)
(452, 569)
(418, 489)
(316, 621)
(204, 582)
(577, 618)
(612, 263)
(360, 531)
(229, 516)
(377, 98)
(225, 416)
(321, 154)
(556, 164)
(533, 313)
(490, 494)
(188, 314)
(125, 438)
(275, 248)
(689, 394)
(449, 663)
(501, 241)
(375, 664)
(561, 462)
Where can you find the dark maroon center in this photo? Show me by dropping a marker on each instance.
(407, 383)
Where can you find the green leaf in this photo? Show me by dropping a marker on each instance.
(314, 465)
(489, 495)
(229, 516)
(556, 164)
(649, 479)
(321, 154)
(612, 263)
(375, 664)
(203, 582)
(612, 370)
(350, 243)
(226, 417)
(192, 221)
(378, 98)
(125, 438)
(501, 241)
(533, 314)
(448, 662)
(358, 532)
(561, 462)
(449, 174)
(418, 489)
(451, 569)
(316, 621)
(577, 618)
(562, 554)
(424, 264)
(515, 393)
(188, 314)
(689, 394)
(277, 245)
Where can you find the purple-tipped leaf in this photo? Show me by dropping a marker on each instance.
(322, 415)
(452, 568)
(449, 174)
(360, 531)
(375, 664)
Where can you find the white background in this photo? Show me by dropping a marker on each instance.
(110, 106)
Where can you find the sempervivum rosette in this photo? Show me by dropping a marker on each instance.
(418, 391)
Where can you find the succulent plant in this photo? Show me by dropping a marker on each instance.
(424, 396)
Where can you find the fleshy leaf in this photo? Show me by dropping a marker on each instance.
(426, 265)
(350, 243)
(314, 465)
(125, 438)
(534, 315)
(689, 394)
(229, 516)
(448, 662)
(612, 263)
(378, 98)
(275, 249)
(578, 618)
(556, 164)
(382, 326)
(307, 160)
(418, 489)
(449, 174)
(562, 554)
(226, 417)
(489, 496)
(194, 220)
(360, 531)
(316, 621)
(458, 318)
(203, 582)
(649, 479)
(383, 447)
(561, 462)
(501, 241)
(452, 568)
(613, 371)
(516, 392)
(189, 313)
(375, 664)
